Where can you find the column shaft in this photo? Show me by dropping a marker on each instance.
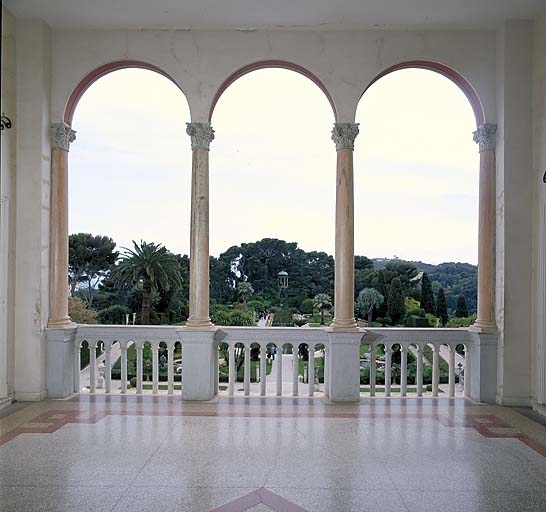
(62, 136)
(344, 135)
(201, 135)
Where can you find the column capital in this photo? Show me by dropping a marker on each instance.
(62, 135)
(485, 136)
(201, 134)
(344, 135)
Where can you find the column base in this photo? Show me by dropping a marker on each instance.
(60, 361)
(483, 326)
(348, 324)
(199, 323)
(60, 323)
(344, 365)
(198, 363)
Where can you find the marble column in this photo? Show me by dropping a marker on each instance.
(61, 137)
(344, 135)
(485, 137)
(201, 135)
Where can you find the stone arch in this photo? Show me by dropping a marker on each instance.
(464, 85)
(94, 75)
(263, 64)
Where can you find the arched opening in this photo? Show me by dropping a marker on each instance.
(417, 187)
(272, 171)
(130, 175)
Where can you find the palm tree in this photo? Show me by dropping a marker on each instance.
(322, 301)
(150, 265)
(369, 298)
(245, 290)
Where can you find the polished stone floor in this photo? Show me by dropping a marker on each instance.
(261, 454)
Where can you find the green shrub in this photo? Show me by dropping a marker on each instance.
(132, 382)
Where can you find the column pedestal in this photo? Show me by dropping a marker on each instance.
(344, 366)
(60, 362)
(482, 355)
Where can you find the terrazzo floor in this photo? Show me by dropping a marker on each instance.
(150, 453)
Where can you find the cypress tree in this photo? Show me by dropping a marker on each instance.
(462, 309)
(395, 301)
(427, 296)
(441, 307)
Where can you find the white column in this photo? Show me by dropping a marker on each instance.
(486, 139)
(344, 134)
(170, 367)
(77, 366)
(388, 370)
(278, 357)
(123, 347)
(451, 371)
(232, 373)
(246, 384)
(435, 370)
(263, 370)
(92, 366)
(139, 367)
(155, 369)
(201, 136)
(61, 137)
(403, 370)
(295, 370)
(108, 367)
(419, 376)
(373, 369)
(467, 372)
(311, 369)
(326, 373)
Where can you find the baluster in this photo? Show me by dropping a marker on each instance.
(216, 368)
(388, 370)
(311, 370)
(77, 366)
(108, 367)
(170, 368)
(419, 356)
(123, 368)
(155, 368)
(278, 357)
(451, 371)
(139, 350)
(435, 370)
(403, 370)
(232, 374)
(263, 370)
(467, 364)
(295, 370)
(246, 386)
(373, 369)
(92, 367)
(326, 373)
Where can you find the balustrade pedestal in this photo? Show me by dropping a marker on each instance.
(344, 366)
(60, 362)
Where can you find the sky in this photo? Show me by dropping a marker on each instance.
(273, 165)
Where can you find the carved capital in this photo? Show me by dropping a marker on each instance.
(344, 135)
(485, 136)
(201, 134)
(62, 135)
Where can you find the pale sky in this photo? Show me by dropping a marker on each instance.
(272, 165)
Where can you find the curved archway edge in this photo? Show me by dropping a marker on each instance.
(264, 64)
(446, 71)
(101, 71)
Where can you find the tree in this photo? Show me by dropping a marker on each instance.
(245, 290)
(369, 298)
(89, 260)
(150, 266)
(79, 312)
(462, 309)
(323, 301)
(307, 306)
(441, 307)
(395, 305)
(427, 297)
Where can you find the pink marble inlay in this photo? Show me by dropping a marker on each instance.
(260, 496)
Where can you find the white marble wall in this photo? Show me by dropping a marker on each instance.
(7, 208)
(32, 215)
(539, 249)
